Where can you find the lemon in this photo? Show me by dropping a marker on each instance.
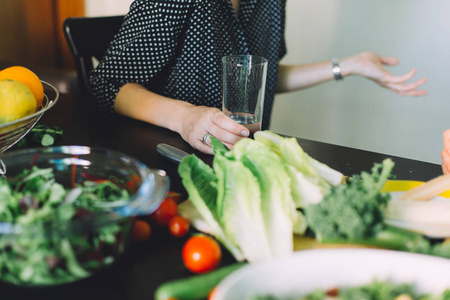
(27, 77)
(16, 100)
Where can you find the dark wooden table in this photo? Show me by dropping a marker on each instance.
(147, 265)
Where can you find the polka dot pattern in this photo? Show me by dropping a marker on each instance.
(174, 48)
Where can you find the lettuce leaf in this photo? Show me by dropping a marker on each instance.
(319, 175)
(201, 184)
(239, 208)
(277, 206)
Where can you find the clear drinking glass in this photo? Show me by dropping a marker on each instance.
(244, 84)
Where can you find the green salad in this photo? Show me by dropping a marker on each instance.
(376, 290)
(50, 234)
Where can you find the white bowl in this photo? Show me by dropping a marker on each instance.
(309, 270)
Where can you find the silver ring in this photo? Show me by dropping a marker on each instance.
(205, 136)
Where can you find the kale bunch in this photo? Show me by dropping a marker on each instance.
(353, 210)
(354, 213)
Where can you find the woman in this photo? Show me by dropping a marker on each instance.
(164, 66)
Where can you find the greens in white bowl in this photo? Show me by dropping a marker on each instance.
(307, 271)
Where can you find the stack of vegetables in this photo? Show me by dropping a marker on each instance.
(252, 198)
(258, 195)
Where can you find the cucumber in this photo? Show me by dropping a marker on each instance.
(194, 287)
(47, 140)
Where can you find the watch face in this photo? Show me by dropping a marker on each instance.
(336, 69)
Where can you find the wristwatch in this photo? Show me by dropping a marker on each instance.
(336, 69)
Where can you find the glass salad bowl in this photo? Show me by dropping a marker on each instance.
(12, 132)
(67, 212)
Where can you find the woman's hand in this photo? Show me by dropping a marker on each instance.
(190, 121)
(371, 65)
(196, 121)
(445, 154)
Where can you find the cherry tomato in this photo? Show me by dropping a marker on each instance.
(141, 231)
(211, 293)
(132, 182)
(174, 195)
(201, 254)
(178, 226)
(166, 211)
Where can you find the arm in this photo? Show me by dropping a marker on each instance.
(445, 154)
(367, 64)
(133, 65)
(190, 121)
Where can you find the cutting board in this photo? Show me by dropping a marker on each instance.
(307, 243)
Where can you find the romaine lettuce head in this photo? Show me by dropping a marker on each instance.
(239, 208)
(201, 184)
(304, 190)
(218, 146)
(293, 154)
(249, 197)
(277, 207)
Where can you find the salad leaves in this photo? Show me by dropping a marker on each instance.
(47, 245)
(249, 198)
(374, 290)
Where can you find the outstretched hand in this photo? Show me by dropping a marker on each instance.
(199, 120)
(371, 65)
(445, 154)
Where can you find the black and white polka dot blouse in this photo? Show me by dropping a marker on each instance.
(174, 48)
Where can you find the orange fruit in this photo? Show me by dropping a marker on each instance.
(16, 100)
(27, 77)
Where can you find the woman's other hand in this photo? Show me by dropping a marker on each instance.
(371, 65)
(445, 154)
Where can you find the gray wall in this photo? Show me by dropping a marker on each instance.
(106, 7)
(357, 112)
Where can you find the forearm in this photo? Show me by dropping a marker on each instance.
(190, 121)
(367, 64)
(135, 101)
(295, 77)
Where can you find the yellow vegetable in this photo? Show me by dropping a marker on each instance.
(16, 100)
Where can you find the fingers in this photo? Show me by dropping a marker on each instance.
(413, 93)
(397, 84)
(390, 61)
(402, 78)
(203, 148)
(206, 120)
(227, 130)
(373, 69)
(444, 169)
(445, 161)
(408, 89)
(445, 154)
(446, 138)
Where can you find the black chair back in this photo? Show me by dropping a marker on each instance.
(88, 38)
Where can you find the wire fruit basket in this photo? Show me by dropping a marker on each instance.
(12, 132)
